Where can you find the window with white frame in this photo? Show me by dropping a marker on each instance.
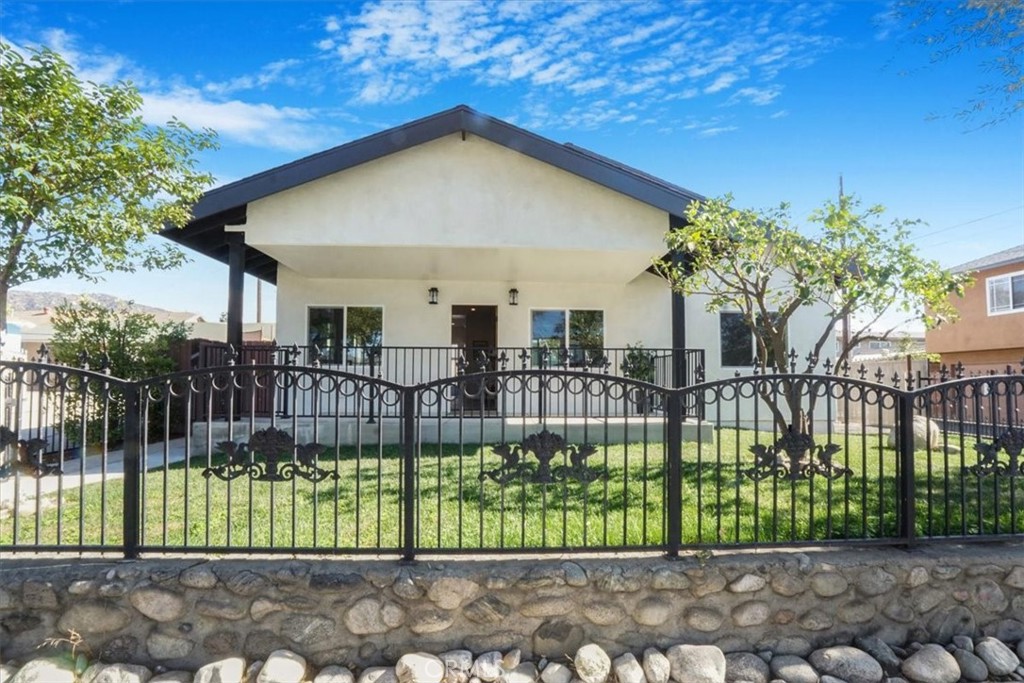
(345, 334)
(738, 345)
(580, 333)
(1006, 293)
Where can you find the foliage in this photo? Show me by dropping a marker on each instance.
(133, 345)
(638, 363)
(136, 345)
(855, 268)
(953, 28)
(83, 180)
(78, 652)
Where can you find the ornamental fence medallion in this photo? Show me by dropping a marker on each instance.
(544, 446)
(268, 457)
(1011, 441)
(786, 459)
(28, 456)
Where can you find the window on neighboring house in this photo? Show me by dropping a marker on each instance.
(1006, 293)
(878, 345)
(580, 333)
(739, 347)
(346, 334)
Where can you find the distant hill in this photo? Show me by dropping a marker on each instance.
(34, 302)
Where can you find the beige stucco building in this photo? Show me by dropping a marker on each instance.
(462, 232)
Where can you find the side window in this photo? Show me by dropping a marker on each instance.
(1006, 293)
(737, 340)
(738, 344)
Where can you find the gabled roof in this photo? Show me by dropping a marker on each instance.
(1006, 257)
(226, 205)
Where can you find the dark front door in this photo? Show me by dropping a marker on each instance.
(475, 333)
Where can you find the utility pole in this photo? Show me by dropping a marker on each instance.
(846, 316)
(259, 300)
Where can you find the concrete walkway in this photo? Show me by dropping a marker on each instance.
(82, 472)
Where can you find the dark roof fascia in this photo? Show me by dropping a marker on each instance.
(208, 236)
(601, 170)
(966, 268)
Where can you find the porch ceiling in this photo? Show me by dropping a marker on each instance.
(446, 263)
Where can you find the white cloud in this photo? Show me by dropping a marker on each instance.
(718, 130)
(592, 50)
(262, 125)
(270, 74)
(723, 82)
(757, 96)
(781, 114)
(258, 124)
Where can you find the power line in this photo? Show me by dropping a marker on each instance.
(975, 220)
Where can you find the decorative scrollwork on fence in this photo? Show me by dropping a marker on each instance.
(1011, 441)
(795, 457)
(268, 457)
(28, 456)
(544, 446)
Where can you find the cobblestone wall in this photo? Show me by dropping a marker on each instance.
(183, 613)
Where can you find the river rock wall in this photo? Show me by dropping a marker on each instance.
(358, 613)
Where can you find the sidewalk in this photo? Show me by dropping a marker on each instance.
(88, 470)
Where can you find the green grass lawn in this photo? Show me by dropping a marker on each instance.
(456, 509)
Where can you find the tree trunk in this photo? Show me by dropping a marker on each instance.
(3, 308)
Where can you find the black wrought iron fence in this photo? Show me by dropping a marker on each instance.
(409, 365)
(467, 463)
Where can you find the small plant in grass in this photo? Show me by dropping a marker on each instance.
(703, 556)
(75, 648)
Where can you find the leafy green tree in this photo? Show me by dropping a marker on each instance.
(949, 29)
(83, 180)
(135, 347)
(854, 269)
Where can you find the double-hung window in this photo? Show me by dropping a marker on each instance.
(1005, 293)
(738, 344)
(346, 334)
(577, 333)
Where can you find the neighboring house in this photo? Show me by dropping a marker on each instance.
(460, 233)
(989, 334)
(896, 345)
(218, 332)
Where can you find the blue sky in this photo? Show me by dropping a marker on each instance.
(768, 101)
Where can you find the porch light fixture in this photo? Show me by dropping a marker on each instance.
(432, 296)
(513, 297)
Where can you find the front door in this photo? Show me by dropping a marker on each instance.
(475, 333)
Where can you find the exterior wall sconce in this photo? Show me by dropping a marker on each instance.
(513, 297)
(432, 296)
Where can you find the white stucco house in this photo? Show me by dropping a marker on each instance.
(459, 232)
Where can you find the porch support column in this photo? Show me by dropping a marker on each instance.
(236, 287)
(679, 369)
(678, 332)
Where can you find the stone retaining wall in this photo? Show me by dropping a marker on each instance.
(184, 613)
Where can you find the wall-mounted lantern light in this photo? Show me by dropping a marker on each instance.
(513, 297)
(432, 296)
